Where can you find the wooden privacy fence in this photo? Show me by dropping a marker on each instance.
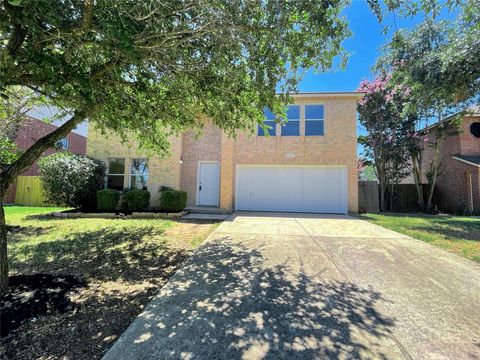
(368, 197)
(404, 198)
(30, 191)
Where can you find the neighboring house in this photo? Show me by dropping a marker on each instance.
(308, 165)
(30, 131)
(458, 183)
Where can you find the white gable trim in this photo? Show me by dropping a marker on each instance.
(466, 161)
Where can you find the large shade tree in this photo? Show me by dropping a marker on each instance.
(147, 69)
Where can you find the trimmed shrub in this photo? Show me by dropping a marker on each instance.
(107, 200)
(137, 200)
(71, 179)
(173, 200)
(165, 188)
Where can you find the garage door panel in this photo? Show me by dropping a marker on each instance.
(291, 188)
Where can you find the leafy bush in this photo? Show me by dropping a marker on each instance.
(137, 200)
(165, 188)
(107, 200)
(173, 200)
(71, 179)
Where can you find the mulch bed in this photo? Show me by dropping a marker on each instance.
(30, 296)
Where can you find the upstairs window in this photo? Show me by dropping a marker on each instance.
(314, 120)
(292, 126)
(139, 174)
(62, 144)
(269, 121)
(115, 173)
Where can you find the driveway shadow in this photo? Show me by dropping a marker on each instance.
(117, 270)
(227, 304)
(105, 254)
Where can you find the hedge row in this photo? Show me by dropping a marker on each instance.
(138, 200)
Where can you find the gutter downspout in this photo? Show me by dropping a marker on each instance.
(470, 191)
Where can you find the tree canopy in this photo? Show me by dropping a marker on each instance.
(148, 68)
(439, 61)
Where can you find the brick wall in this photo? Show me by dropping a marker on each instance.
(11, 191)
(452, 187)
(162, 171)
(29, 132)
(207, 147)
(469, 144)
(336, 147)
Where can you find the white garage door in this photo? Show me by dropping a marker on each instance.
(319, 189)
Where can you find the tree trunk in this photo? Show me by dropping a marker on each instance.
(3, 248)
(434, 172)
(391, 194)
(380, 166)
(417, 176)
(9, 174)
(382, 198)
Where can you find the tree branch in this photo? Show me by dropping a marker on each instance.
(36, 150)
(16, 40)
(87, 14)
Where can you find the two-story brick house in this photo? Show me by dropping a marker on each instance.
(458, 183)
(307, 165)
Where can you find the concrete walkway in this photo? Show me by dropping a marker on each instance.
(199, 216)
(292, 286)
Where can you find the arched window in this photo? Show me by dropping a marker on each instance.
(475, 129)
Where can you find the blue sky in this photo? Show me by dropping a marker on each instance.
(364, 46)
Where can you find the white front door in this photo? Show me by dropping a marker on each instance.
(208, 184)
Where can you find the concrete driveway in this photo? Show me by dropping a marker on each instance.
(294, 286)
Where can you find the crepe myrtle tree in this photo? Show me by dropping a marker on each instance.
(146, 69)
(380, 112)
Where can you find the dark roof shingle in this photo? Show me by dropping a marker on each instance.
(474, 159)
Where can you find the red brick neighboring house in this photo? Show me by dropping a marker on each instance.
(30, 131)
(458, 183)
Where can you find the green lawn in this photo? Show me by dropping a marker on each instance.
(124, 263)
(460, 235)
